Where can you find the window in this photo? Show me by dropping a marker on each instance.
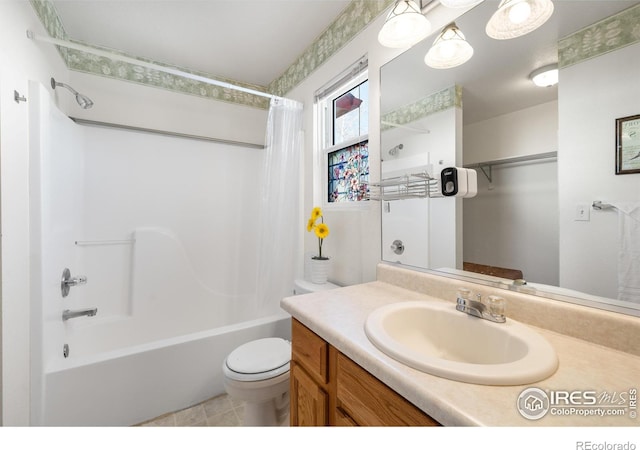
(348, 173)
(351, 114)
(343, 126)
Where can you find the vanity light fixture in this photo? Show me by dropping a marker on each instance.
(450, 49)
(545, 76)
(405, 25)
(516, 18)
(460, 3)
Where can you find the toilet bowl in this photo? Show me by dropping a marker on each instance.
(258, 373)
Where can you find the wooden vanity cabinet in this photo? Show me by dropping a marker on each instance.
(309, 378)
(328, 388)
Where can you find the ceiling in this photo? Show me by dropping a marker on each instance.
(251, 41)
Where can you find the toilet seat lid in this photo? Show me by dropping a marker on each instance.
(259, 356)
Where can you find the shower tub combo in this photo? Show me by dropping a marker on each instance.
(173, 298)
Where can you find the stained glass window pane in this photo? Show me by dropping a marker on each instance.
(348, 173)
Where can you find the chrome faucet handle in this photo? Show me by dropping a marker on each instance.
(496, 306)
(492, 311)
(67, 282)
(77, 281)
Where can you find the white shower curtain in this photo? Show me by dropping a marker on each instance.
(279, 217)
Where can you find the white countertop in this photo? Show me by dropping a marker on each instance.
(338, 316)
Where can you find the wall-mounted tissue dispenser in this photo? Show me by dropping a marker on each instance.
(459, 182)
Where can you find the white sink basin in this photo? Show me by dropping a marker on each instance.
(435, 338)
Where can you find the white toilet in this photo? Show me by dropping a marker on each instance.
(258, 373)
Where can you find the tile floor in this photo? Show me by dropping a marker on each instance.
(220, 411)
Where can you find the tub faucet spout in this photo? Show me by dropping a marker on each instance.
(69, 314)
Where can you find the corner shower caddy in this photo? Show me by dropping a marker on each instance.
(414, 185)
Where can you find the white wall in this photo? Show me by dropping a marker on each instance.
(591, 96)
(520, 133)
(513, 222)
(21, 60)
(204, 193)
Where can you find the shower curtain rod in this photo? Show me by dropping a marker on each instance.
(165, 133)
(97, 52)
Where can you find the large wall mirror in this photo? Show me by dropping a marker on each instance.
(543, 156)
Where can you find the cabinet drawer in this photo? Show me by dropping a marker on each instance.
(310, 351)
(368, 401)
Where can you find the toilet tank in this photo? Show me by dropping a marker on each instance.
(306, 287)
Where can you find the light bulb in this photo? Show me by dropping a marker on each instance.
(450, 49)
(519, 12)
(405, 26)
(447, 49)
(516, 18)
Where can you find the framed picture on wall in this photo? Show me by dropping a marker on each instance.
(628, 145)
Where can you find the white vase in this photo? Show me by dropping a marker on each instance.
(319, 270)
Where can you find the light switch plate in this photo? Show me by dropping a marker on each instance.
(582, 212)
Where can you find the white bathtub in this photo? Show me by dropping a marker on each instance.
(135, 384)
(160, 351)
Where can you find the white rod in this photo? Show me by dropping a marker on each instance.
(165, 133)
(107, 242)
(137, 62)
(515, 159)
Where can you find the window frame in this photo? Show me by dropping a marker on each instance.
(325, 117)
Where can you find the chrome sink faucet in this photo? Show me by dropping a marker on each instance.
(492, 311)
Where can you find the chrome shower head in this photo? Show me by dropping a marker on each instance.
(394, 150)
(84, 101)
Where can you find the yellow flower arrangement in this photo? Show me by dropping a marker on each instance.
(321, 230)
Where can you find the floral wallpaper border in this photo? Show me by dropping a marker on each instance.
(355, 17)
(605, 36)
(438, 101)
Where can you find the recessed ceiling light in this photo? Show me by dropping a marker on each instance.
(545, 76)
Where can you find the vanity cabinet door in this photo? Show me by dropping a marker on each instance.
(309, 402)
(368, 401)
(328, 388)
(310, 350)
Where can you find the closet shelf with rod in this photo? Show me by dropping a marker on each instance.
(415, 185)
(486, 166)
